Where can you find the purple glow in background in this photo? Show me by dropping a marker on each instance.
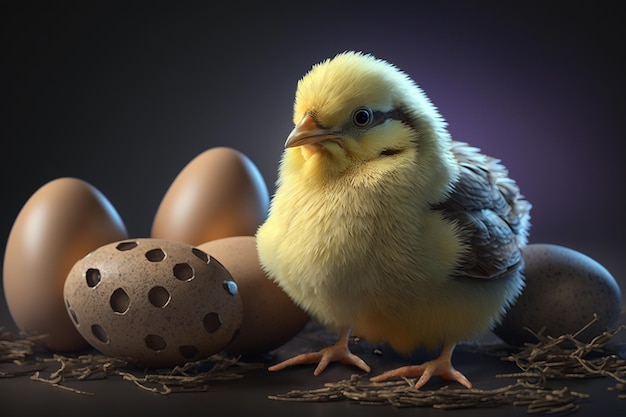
(124, 94)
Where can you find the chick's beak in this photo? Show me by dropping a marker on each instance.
(308, 132)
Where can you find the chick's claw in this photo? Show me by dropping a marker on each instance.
(338, 352)
(438, 367)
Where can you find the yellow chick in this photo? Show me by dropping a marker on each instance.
(383, 227)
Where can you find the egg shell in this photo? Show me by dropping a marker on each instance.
(153, 302)
(563, 290)
(220, 193)
(62, 221)
(270, 317)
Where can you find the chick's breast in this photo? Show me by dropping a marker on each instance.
(317, 244)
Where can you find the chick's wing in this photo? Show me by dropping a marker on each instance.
(490, 212)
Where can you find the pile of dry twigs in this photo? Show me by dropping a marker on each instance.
(19, 356)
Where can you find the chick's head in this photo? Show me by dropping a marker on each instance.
(355, 110)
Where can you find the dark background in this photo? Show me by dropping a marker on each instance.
(124, 94)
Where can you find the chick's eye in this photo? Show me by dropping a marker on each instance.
(362, 117)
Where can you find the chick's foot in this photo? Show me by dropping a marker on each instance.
(337, 352)
(442, 366)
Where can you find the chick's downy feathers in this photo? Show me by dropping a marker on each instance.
(382, 224)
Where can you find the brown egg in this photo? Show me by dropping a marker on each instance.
(60, 223)
(270, 317)
(154, 302)
(564, 289)
(220, 193)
